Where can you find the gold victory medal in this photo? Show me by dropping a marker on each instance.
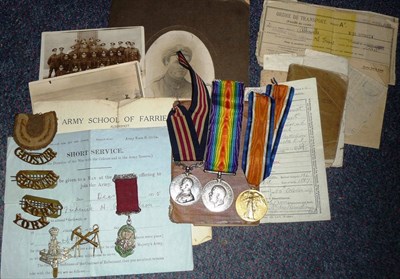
(251, 205)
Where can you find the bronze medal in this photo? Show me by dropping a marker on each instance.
(251, 205)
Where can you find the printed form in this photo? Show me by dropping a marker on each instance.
(86, 163)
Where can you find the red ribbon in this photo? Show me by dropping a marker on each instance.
(126, 189)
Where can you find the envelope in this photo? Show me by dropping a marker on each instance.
(332, 91)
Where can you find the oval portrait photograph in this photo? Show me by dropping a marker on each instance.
(165, 77)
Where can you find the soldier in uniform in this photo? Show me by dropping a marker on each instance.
(73, 50)
(112, 48)
(52, 61)
(60, 71)
(128, 52)
(92, 47)
(92, 41)
(100, 48)
(83, 47)
(103, 61)
(74, 63)
(120, 47)
(84, 62)
(120, 57)
(77, 45)
(112, 58)
(173, 82)
(135, 52)
(60, 55)
(75, 69)
(65, 62)
(94, 61)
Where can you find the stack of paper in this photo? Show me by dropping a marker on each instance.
(367, 40)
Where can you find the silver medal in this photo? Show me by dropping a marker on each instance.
(217, 195)
(185, 189)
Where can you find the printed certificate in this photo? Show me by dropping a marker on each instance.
(86, 163)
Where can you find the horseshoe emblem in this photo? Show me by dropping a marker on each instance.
(35, 131)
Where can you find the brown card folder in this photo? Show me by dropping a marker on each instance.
(332, 91)
(221, 25)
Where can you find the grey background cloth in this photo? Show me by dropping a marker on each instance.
(360, 241)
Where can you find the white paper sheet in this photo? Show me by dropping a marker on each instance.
(86, 163)
(297, 189)
(365, 109)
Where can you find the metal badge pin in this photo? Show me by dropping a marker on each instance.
(36, 179)
(35, 131)
(91, 237)
(41, 207)
(54, 255)
(35, 158)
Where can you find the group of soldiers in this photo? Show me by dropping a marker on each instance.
(90, 54)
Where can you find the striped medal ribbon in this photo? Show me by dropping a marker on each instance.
(267, 114)
(223, 142)
(283, 96)
(187, 129)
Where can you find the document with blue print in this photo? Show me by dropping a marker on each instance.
(297, 189)
(86, 222)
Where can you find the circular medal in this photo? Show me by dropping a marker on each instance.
(251, 205)
(217, 195)
(185, 189)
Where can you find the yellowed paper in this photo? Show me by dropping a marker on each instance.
(201, 234)
(370, 39)
(365, 103)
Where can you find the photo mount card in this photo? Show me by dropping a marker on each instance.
(222, 26)
(87, 49)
